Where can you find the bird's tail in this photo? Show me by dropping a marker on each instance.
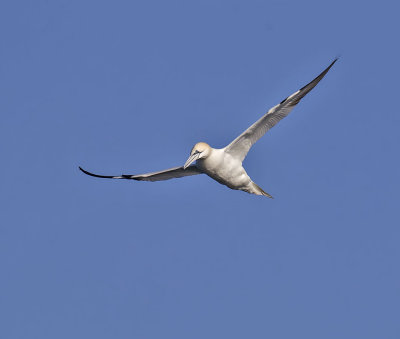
(259, 191)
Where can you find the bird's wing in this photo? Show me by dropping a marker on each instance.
(176, 172)
(242, 144)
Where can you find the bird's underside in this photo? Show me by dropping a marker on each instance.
(225, 165)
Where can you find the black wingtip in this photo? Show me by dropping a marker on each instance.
(86, 172)
(319, 77)
(333, 62)
(329, 67)
(97, 175)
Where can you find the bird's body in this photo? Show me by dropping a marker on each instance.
(228, 171)
(225, 164)
(224, 168)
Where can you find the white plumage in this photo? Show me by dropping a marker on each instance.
(225, 165)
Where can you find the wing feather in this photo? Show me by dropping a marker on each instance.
(176, 172)
(242, 144)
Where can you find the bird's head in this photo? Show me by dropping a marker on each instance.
(199, 151)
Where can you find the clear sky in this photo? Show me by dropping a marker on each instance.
(129, 87)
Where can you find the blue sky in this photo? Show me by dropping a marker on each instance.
(129, 87)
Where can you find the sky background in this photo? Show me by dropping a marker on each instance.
(129, 87)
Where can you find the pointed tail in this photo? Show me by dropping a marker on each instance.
(260, 191)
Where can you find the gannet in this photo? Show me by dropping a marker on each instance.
(225, 164)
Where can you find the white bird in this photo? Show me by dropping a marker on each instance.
(225, 164)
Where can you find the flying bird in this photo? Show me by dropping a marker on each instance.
(225, 164)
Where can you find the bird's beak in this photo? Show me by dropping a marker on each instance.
(191, 159)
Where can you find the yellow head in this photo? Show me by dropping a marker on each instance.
(199, 151)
